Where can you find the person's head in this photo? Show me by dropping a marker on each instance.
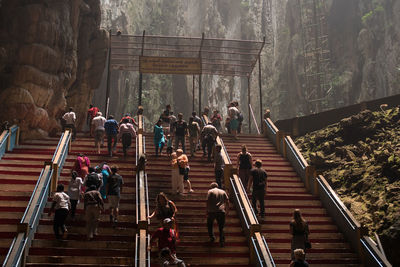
(298, 218)
(213, 185)
(99, 114)
(166, 253)
(206, 109)
(91, 105)
(168, 136)
(194, 114)
(91, 169)
(92, 188)
(258, 163)
(167, 223)
(191, 119)
(127, 114)
(71, 109)
(159, 122)
(244, 148)
(140, 110)
(218, 148)
(110, 117)
(173, 155)
(60, 188)
(114, 169)
(125, 120)
(180, 116)
(81, 155)
(179, 152)
(168, 107)
(299, 254)
(215, 112)
(162, 199)
(235, 103)
(74, 174)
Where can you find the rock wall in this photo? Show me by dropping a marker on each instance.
(52, 54)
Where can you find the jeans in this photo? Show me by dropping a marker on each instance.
(110, 138)
(220, 217)
(180, 139)
(218, 177)
(259, 195)
(59, 222)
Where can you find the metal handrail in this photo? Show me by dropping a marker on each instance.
(30, 220)
(3, 142)
(254, 119)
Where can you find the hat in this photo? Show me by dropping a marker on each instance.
(167, 220)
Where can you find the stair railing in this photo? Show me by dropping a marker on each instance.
(259, 252)
(59, 157)
(254, 119)
(142, 254)
(317, 185)
(9, 139)
(26, 229)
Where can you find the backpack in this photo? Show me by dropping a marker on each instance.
(92, 179)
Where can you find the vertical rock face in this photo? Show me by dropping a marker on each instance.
(52, 55)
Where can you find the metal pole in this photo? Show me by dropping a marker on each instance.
(108, 76)
(140, 74)
(193, 94)
(248, 101)
(200, 94)
(260, 87)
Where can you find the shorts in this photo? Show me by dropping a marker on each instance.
(99, 135)
(114, 201)
(234, 124)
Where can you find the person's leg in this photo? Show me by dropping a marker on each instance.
(210, 222)
(156, 147)
(204, 144)
(74, 203)
(209, 149)
(115, 142)
(161, 147)
(261, 196)
(180, 183)
(254, 201)
(109, 143)
(218, 176)
(221, 225)
(243, 176)
(176, 142)
(63, 218)
(73, 132)
(96, 214)
(192, 145)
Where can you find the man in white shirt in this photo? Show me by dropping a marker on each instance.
(70, 119)
(97, 130)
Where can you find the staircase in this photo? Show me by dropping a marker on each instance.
(20, 170)
(194, 247)
(286, 192)
(113, 246)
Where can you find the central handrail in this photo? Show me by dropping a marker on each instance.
(254, 119)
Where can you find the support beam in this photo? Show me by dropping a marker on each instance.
(193, 94)
(201, 47)
(107, 104)
(248, 101)
(140, 74)
(199, 94)
(260, 87)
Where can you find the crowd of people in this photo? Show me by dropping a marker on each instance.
(95, 185)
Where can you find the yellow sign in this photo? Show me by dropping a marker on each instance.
(169, 65)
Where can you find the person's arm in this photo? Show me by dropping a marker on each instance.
(174, 208)
(237, 163)
(226, 204)
(291, 229)
(250, 182)
(291, 264)
(251, 160)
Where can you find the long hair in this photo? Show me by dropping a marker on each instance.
(161, 195)
(298, 219)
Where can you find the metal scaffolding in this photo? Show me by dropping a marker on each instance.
(316, 53)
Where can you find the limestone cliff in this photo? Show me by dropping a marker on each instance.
(52, 54)
(362, 41)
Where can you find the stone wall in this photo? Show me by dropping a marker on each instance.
(52, 54)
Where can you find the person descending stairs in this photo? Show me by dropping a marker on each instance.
(194, 246)
(286, 192)
(20, 170)
(114, 244)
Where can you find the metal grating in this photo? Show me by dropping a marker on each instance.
(218, 56)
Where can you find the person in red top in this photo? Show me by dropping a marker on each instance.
(130, 120)
(166, 237)
(92, 112)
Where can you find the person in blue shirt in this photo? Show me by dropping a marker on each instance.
(111, 128)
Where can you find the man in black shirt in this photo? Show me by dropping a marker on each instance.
(180, 130)
(114, 183)
(258, 177)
